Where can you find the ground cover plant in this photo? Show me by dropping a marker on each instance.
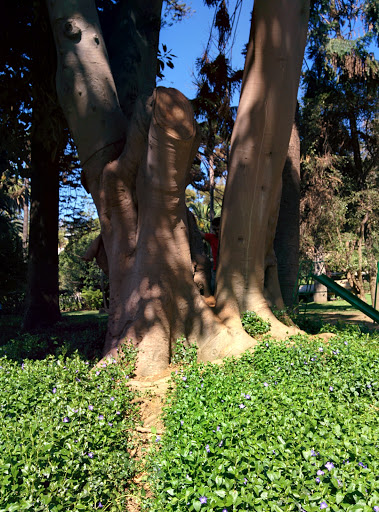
(290, 427)
(65, 428)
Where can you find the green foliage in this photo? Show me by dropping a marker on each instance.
(290, 427)
(253, 324)
(79, 278)
(184, 353)
(64, 434)
(12, 263)
(93, 299)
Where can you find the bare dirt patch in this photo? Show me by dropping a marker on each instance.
(151, 399)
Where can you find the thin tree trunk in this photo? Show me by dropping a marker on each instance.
(211, 187)
(287, 235)
(25, 220)
(320, 295)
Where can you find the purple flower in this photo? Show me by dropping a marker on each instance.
(54, 390)
(224, 510)
(90, 455)
(331, 388)
(265, 384)
(247, 397)
(181, 422)
(241, 406)
(184, 378)
(245, 481)
(207, 448)
(313, 453)
(329, 466)
(320, 472)
(203, 499)
(77, 380)
(118, 412)
(218, 428)
(90, 407)
(157, 439)
(100, 505)
(110, 424)
(98, 373)
(318, 480)
(362, 465)
(112, 398)
(101, 417)
(376, 508)
(220, 443)
(321, 349)
(65, 419)
(323, 505)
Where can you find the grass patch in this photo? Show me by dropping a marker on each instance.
(286, 428)
(82, 332)
(332, 305)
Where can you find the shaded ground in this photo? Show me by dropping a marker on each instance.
(341, 312)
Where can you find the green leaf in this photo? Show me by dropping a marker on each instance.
(196, 505)
(339, 497)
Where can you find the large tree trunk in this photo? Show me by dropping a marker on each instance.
(47, 142)
(258, 151)
(287, 237)
(136, 170)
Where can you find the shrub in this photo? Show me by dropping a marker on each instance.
(253, 324)
(93, 299)
(184, 353)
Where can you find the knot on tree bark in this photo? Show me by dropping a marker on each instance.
(72, 31)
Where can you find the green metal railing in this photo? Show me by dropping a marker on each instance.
(349, 297)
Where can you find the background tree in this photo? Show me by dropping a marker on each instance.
(12, 277)
(339, 139)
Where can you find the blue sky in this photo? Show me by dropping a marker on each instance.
(188, 39)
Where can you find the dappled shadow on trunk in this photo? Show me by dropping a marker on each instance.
(140, 196)
(247, 271)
